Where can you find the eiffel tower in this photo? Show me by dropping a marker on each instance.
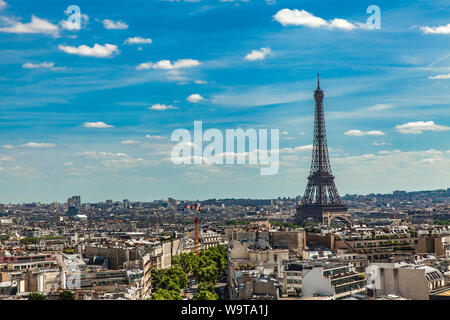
(321, 201)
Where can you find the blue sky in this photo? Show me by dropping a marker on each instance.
(77, 118)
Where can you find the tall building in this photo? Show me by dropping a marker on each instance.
(73, 205)
(321, 201)
(74, 202)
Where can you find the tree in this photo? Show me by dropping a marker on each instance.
(178, 275)
(208, 274)
(157, 276)
(29, 240)
(173, 279)
(218, 256)
(163, 294)
(206, 295)
(205, 267)
(36, 296)
(67, 295)
(187, 261)
(170, 284)
(206, 286)
(176, 259)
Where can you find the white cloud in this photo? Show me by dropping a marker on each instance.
(96, 155)
(148, 136)
(144, 66)
(114, 25)
(375, 133)
(440, 76)
(354, 133)
(389, 151)
(129, 142)
(138, 40)
(379, 107)
(8, 146)
(182, 63)
(359, 133)
(99, 124)
(38, 145)
(176, 75)
(36, 26)
(200, 82)
(413, 169)
(304, 148)
(3, 4)
(419, 126)
(436, 30)
(43, 65)
(308, 147)
(298, 18)
(168, 65)
(382, 143)
(194, 98)
(97, 51)
(288, 17)
(161, 107)
(258, 54)
(124, 163)
(431, 160)
(341, 24)
(36, 66)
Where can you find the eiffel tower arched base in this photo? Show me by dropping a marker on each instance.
(323, 214)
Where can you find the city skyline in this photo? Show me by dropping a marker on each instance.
(62, 201)
(96, 120)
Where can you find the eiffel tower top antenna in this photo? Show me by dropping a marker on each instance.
(318, 82)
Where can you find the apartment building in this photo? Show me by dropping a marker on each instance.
(331, 280)
(404, 279)
(292, 273)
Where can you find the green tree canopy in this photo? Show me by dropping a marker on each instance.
(67, 295)
(178, 275)
(208, 273)
(157, 276)
(173, 278)
(163, 294)
(206, 295)
(36, 296)
(206, 286)
(205, 267)
(170, 284)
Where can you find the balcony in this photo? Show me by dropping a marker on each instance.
(356, 285)
(347, 281)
